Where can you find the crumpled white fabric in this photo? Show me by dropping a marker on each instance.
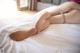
(58, 38)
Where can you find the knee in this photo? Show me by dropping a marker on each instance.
(43, 26)
(43, 18)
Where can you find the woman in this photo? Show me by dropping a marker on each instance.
(67, 12)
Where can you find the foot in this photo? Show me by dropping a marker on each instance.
(21, 35)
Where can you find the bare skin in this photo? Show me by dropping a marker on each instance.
(47, 18)
(73, 17)
(43, 21)
(21, 35)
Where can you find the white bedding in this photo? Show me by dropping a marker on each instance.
(58, 38)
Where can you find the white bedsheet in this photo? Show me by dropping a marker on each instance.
(58, 38)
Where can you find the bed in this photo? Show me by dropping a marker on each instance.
(57, 38)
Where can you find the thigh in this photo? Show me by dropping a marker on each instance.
(54, 10)
(67, 6)
(73, 17)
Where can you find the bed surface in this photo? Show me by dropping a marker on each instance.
(58, 38)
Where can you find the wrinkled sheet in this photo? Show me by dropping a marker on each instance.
(58, 38)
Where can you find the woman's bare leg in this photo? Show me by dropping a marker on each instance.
(58, 19)
(51, 14)
(21, 35)
(64, 7)
(42, 17)
(72, 17)
(42, 24)
(67, 6)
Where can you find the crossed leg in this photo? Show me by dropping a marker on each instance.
(45, 21)
(21, 35)
(73, 17)
(65, 7)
